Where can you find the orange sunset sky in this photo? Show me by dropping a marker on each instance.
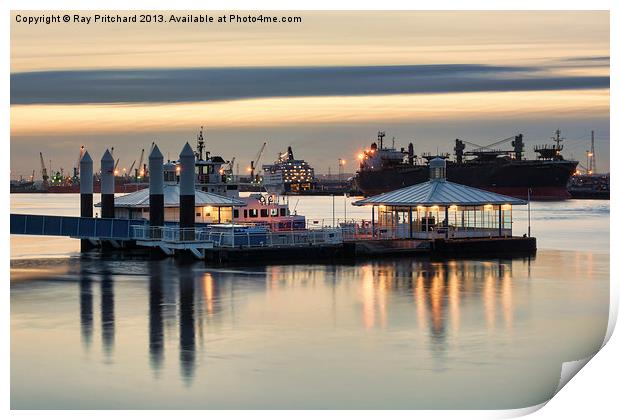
(324, 86)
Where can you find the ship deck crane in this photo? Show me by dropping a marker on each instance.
(488, 146)
(254, 163)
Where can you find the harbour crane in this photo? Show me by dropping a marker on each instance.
(231, 165)
(79, 159)
(139, 169)
(131, 167)
(43, 171)
(76, 167)
(254, 163)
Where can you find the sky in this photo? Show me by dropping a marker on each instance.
(325, 85)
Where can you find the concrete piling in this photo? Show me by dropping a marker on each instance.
(86, 193)
(86, 186)
(107, 185)
(187, 191)
(156, 189)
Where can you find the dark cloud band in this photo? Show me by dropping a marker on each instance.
(216, 84)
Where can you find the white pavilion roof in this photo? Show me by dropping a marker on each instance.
(438, 193)
(140, 199)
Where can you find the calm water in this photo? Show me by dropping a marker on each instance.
(394, 333)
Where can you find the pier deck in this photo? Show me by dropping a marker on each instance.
(323, 245)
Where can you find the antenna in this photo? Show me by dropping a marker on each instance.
(593, 155)
(380, 136)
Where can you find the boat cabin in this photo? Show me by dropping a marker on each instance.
(268, 210)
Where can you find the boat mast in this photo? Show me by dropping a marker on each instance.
(557, 139)
(201, 144)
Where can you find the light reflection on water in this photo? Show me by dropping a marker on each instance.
(395, 333)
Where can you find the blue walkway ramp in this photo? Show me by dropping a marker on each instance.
(76, 227)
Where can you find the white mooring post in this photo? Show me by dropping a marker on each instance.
(86, 186)
(156, 192)
(232, 222)
(187, 190)
(529, 229)
(333, 211)
(372, 223)
(86, 193)
(107, 185)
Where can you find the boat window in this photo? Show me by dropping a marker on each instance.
(263, 212)
(245, 214)
(283, 212)
(235, 213)
(253, 212)
(198, 214)
(273, 212)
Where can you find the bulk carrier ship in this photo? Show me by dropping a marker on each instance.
(506, 172)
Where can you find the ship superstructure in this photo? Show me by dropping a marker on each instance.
(213, 173)
(288, 175)
(504, 171)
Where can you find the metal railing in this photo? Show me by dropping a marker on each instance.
(239, 238)
(359, 232)
(276, 239)
(170, 234)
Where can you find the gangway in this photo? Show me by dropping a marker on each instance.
(74, 227)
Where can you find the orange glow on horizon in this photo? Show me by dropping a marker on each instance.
(136, 118)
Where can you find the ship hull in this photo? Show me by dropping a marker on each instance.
(545, 180)
(590, 195)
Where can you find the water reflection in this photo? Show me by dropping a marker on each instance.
(187, 332)
(432, 299)
(107, 311)
(444, 294)
(86, 309)
(156, 319)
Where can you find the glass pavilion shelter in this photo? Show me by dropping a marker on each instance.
(439, 208)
